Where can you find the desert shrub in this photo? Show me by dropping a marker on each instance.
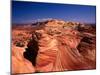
(20, 34)
(20, 44)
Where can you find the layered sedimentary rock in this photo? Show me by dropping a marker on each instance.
(19, 63)
(59, 46)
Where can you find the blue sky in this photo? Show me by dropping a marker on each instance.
(27, 12)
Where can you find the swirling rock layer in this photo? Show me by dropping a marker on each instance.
(58, 46)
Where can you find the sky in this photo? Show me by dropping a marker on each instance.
(28, 12)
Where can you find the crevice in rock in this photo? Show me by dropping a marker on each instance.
(32, 51)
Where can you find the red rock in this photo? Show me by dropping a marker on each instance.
(57, 46)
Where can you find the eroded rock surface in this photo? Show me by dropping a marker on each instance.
(60, 46)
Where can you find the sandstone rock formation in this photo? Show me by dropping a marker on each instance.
(19, 63)
(59, 46)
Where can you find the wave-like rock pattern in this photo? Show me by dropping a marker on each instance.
(59, 53)
(58, 46)
(19, 63)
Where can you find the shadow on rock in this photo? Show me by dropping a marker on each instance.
(32, 50)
